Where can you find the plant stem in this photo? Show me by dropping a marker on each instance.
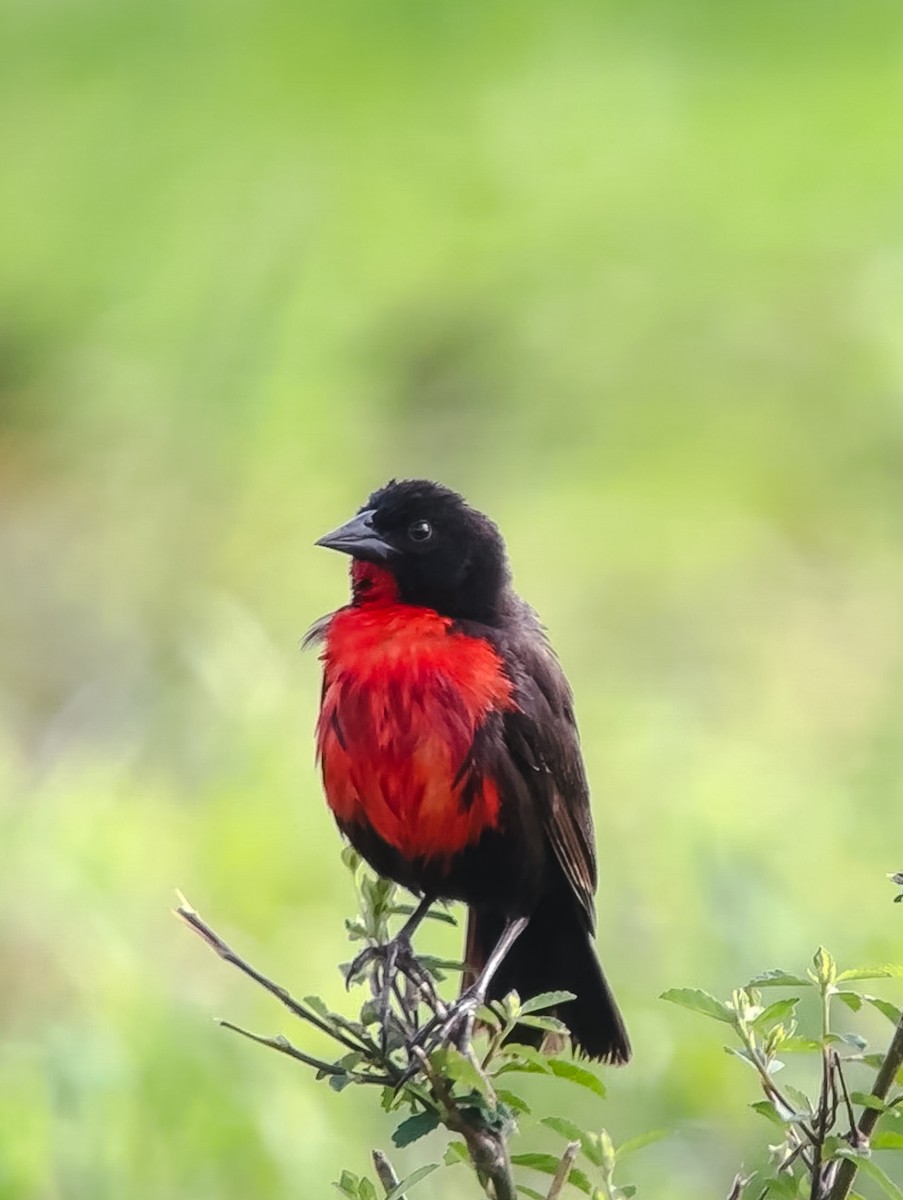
(564, 1170)
(386, 1172)
(194, 921)
(887, 1073)
(487, 1148)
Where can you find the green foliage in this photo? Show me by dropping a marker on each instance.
(434, 1069)
(428, 1063)
(819, 1125)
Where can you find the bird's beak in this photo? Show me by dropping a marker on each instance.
(358, 538)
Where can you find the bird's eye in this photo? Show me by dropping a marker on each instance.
(420, 531)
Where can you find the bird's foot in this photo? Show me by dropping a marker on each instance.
(398, 973)
(452, 1026)
(395, 957)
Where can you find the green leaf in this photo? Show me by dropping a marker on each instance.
(511, 1007)
(573, 1133)
(460, 1069)
(546, 1000)
(548, 1164)
(778, 978)
(832, 1143)
(415, 1127)
(776, 1012)
(884, 971)
(434, 914)
(411, 1180)
(441, 915)
(455, 1152)
(824, 968)
(567, 1129)
(338, 1083)
(867, 1167)
(367, 1190)
(766, 1109)
(488, 1016)
(803, 1104)
(514, 1067)
(743, 1054)
(884, 1007)
(370, 1013)
(792, 1116)
(319, 1006)
(887, 1139)
(784, 1187)
(531, 1192)
(607, 1150)
(528, 1054)
(350, 858)
(549, 1024)
(799, 1045)
(641, 1141)
(867, 1100)
(699, 1001)
(565, 1069)
(851, 999)
(513, 1100)
(847, 1039)
(436, 965)
(348, 1185)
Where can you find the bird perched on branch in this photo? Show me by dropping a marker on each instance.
(450, 754)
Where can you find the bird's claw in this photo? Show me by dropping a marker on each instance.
(396, 958)
(452, 1026)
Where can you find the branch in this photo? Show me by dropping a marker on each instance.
(386, 1172)
(564, 1169)
(737, 1187)
(284, 1046)
(398, 1059)
(887, 1072)
(487, 1148)
(194, 921)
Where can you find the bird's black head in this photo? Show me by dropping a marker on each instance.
(440, 552)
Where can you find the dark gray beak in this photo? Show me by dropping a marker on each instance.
(358, 538)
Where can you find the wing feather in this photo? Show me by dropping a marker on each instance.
(542, 739)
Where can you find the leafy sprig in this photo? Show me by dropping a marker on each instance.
(469, 1090)
(822, 1142)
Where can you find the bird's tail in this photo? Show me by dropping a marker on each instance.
(554, 953)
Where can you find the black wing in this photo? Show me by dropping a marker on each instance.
(542, 739)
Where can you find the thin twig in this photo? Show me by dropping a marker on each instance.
(386, 1172)
(564, 1170)
(769, 1087)
(851, 1116)
(284, 1046)
(194, 921)
(738, 1185)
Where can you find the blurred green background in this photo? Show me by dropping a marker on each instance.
(630, 275)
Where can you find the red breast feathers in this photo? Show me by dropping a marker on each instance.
(404, 695)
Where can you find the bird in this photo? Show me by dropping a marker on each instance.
(450, 756)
